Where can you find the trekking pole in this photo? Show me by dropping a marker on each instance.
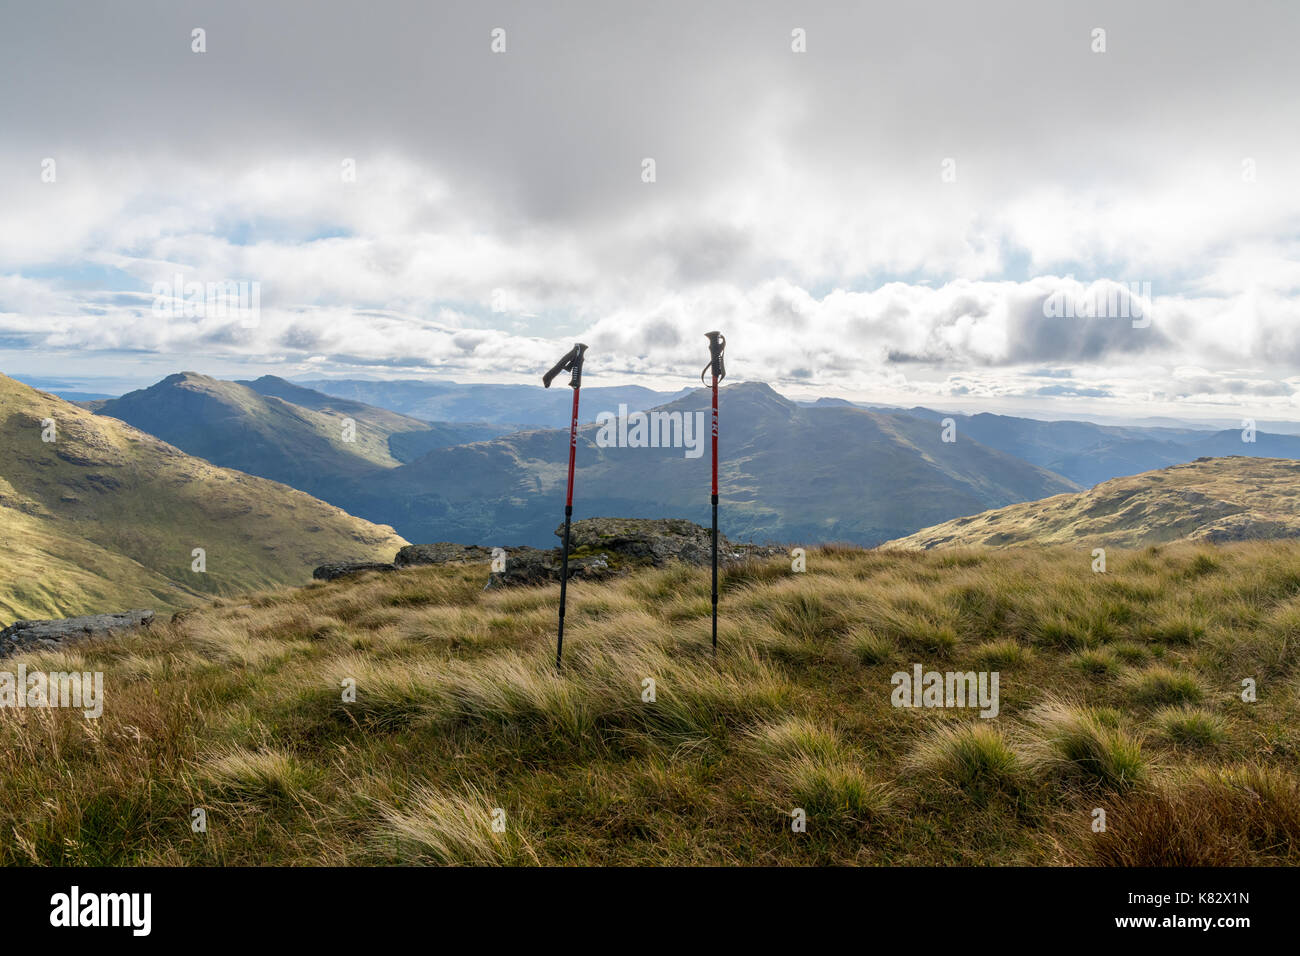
(717, 342)
(571, 362)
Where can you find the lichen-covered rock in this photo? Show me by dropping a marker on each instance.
(442, 552)
(44, 635)
(598, 548)
(658, 541)
(528, 566)
(328, 572)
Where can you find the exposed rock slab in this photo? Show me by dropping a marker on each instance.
(328, 572)
(599, 548)
(443, 552)
(658, 541)
(45, 635)
(528, 566)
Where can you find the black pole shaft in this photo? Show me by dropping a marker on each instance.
(564, 583)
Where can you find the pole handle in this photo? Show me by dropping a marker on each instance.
(572, 361)
(717, 344)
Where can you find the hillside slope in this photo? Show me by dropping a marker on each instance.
(789, 473)
(1215, 499)
(1120, 690)
(106, 517)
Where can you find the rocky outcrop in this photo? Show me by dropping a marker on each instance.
(528, 566)
(443, 552)
(658, 541)
(45, 635)
(599, 548)
(1245, 527)
(328, 572)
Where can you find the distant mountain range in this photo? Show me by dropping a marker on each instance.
(106, 516)
(1212, 499)
(98, 516)
(789, 473)
(792, 471)
(1087, 453)
(529, 406)
(1083, 452)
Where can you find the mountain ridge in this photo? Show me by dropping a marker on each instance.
(1211, 499)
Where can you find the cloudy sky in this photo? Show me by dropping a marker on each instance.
(894, 214)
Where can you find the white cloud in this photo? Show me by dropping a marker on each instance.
(498, 212)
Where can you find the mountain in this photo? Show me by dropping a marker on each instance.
(1088, 453)
(534, 405)
(277, 430)
(106, 517)
(789, 473)
(1211, 499)
(407, 438)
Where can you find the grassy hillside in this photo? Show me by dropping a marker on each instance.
(789, 473)
(105, 518)
(1218, 499)
(1119, 691)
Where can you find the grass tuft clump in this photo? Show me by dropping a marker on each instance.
(1163, 685)
(1191, 727)
(451, 829)
(1083, 744)
(972, 757)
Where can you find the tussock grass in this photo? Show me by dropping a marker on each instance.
(1163, 685)
(257, 775)
(451, 828)
(1085, 745)
(835, 789)
(1005, 653)
(1192, 727)
(238, 707)
(1100, 662)
(971, 757)
(870, 647)
(1227, 816)
(795, 737)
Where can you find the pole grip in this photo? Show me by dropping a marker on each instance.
(717, 344)
(572, 361)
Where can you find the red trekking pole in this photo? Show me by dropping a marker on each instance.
(717, 342)
(571, 362)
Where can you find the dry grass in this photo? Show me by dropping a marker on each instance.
(1119, 690)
